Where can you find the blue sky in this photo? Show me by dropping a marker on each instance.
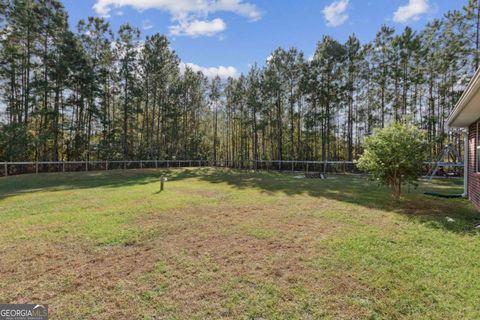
(226, 36)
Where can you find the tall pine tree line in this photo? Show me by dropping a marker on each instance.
(95, 94)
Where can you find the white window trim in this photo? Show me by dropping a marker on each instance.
(477, 145)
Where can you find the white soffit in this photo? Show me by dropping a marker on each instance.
(467, 110)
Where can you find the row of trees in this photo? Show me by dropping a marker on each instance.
(94, 94)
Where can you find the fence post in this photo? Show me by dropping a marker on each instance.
(141, 164)
(6, 169)
(106, 165)
(86, 165)
(63, 166)
(36, 167)
(124, 165)
(156, 163)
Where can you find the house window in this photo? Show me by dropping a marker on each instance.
(478, 147)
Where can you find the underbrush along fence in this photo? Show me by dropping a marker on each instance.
(15, 168)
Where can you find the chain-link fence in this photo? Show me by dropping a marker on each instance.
(332, 167)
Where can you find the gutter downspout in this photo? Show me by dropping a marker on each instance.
(465, 164)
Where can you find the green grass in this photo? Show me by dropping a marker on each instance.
(232, 244)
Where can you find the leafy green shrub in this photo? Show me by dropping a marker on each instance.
(394, 156)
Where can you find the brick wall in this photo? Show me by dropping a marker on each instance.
(473, 175)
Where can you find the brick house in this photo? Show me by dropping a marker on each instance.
(466, 115)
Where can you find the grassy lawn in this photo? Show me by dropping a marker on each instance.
(230, 244)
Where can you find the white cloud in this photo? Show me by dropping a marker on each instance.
(180, 8)
(147, 25)
(189, 16)
(211, 72)
(335, 14)
(197, 28)
(412, 11)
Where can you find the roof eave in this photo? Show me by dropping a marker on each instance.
(472, 88)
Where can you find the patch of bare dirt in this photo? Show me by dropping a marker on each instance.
(203, 193)
(47, 273)
(202, 248)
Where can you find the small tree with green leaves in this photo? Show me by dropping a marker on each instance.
(394, 156)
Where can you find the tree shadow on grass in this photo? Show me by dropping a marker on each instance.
(456, 215)
(434, 212)
(53, 182)
(58, 181)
